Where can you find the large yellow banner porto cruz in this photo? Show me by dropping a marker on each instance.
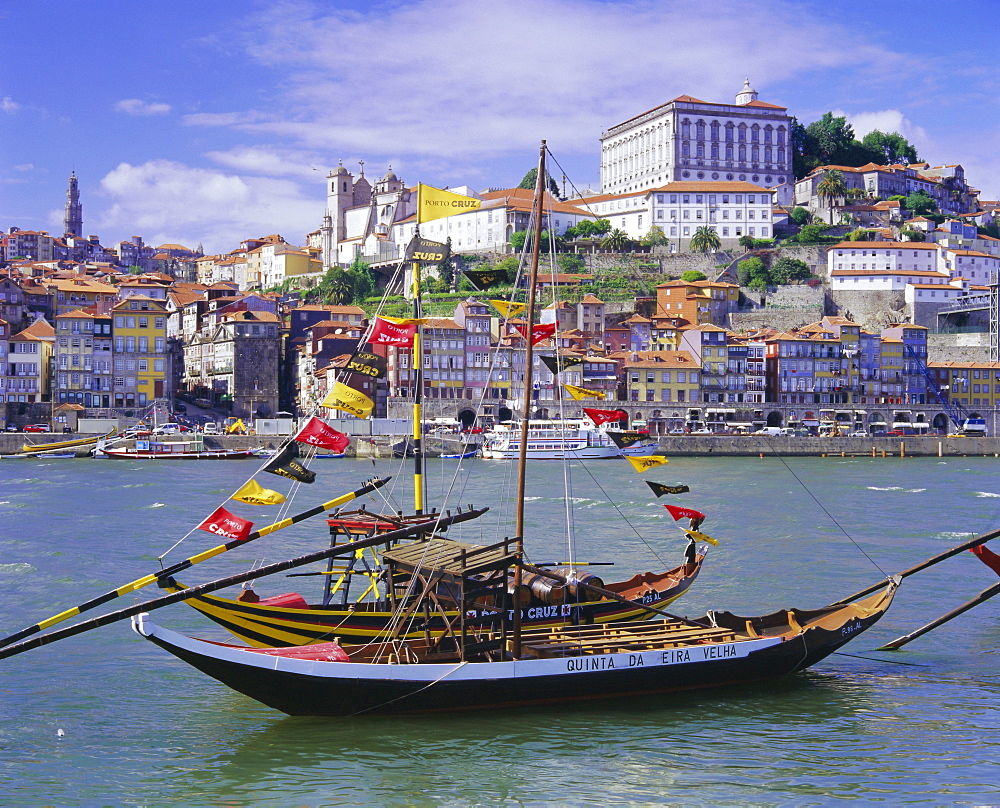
(433, 203)
(349, 400)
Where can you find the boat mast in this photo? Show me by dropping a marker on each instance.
(537, 209)
(418, 376)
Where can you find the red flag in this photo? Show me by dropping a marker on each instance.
(684, 513)
(223, 523)
(386, 332)
(538, 333)
(988, 557)
(605, 416)
(317, 433)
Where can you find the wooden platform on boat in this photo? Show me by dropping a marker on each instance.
(612, 638)
(445, 558)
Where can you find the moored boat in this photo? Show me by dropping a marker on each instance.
(575, 439)
(190, 449)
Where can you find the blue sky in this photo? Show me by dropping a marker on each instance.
(192, 122)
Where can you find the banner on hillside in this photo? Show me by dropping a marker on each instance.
(660, 489)
(557, 364)
(579, 393)
(540, 332)
(228, 526)
(286, 464)
(316, 433)
(508, 309)
(367, 364)
(640, 464)
(253, 493)
(348, 399)
(435, 203)
(484, 279)
(605, 416)
(425, 251)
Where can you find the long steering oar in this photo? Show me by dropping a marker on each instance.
(899, 642)
(146, 580)
(981, 539)
(433, 523)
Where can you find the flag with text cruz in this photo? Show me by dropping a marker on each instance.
(604, 416)
(286, 464)
(223, 523)
(317, 433)
(660, 489)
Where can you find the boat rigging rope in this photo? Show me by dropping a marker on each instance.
(441, 678)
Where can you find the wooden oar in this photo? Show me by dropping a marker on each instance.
(433, 523)
(146, 580)
(899, 642)
(981, 539)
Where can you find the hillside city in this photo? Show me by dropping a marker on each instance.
(734, 269)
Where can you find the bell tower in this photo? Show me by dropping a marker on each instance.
(73, 218)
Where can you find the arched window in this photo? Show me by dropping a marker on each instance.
(715, 130)
(754, 154)
(755, 133)
(743, 154)
(685, 129)
(743, 133)
(700, 127)
(729, 132)
(767, 154)
(768, 131)
(781, 135)
(715, 151)
(781, 155)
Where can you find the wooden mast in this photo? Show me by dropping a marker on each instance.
(417, 363)
(537, 210)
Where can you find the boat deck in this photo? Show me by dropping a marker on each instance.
(611, 638)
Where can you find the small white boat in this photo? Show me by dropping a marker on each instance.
(554, 440)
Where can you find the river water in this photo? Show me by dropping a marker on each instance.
(141, 728)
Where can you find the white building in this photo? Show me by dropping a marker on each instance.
(690, 139)
(882, 256)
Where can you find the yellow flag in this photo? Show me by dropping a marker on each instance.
(508, 310)
(433, 203)
(640, 464)
(404, 320)
(697, 536)
(583, 392)
(254, 494)
(345, 398)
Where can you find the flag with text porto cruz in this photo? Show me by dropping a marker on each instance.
(286, 464)
(605, 416)
(579, 393)
(660, 489)
(640, 464)
(390, 331)
(484, 279)
(683, 513)
(316, 433)
(253, 493)
(699, 536)
(539, 332)
(348, 398)
(228, 526)
(625, 439)
(426, 251)
(434, 203)
(508, 309)
(557, 364)
(367, 364)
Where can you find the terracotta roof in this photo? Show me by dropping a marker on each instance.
(883, 245)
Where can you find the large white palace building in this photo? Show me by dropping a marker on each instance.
(691, 140)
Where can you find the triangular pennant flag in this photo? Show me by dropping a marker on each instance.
(253, 493)
(539, 332)
(508, 309)
(433, 203)
(348, 399)
(557, 364)
(698, 536)
(286, 464)
(605, 416)
(640, 464)
(484, 279)
(223, 523)
(625, 439)
(660, 489)
(582, 392)
(393, 332)
(683, 513)
(316, 433)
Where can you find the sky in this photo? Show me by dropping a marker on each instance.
(211, 122)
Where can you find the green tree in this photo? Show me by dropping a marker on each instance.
(655, 237)
(811, 234)
(705, 239)
(602, 227)
(831, 138)
(801, 216)
(889, 148)
(570, 262)
(747, 243)
(803, 149)
(859, 234)
(754, 274)
(616, 241)
(531, 179)
(920, 204)
(785, 270)
(509, 265)
(521, 237)
(831, 188)
(337, 287)
(362, 279)
(693, 275)
(913, 234)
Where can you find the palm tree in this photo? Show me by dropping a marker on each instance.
(830, 188)
(705, 239)
(616, 241)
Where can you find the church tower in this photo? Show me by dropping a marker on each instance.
(746, 95)
(339, 197)
(73, 218)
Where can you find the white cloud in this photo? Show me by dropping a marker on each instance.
(140, 108)
(269, 161)
(885, 120)
(162, 200)
(9, 105)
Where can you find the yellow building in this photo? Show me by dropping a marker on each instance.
(70, 294)
(667, 377)
(139, 330)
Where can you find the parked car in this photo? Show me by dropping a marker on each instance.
(38, 428)
(859, 434)
(211, 428)
(12, 427)
(180, 408)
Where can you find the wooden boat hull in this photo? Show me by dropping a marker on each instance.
(64, 444)
(263, 625)
(128, 454)
(304, 684)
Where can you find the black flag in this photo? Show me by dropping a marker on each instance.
(485, 278)
(557, 364)
(426, 251)
(660, 489)
(286, 464)
(371, 365)
(625, 439)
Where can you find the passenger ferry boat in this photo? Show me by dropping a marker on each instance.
(555, 440)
